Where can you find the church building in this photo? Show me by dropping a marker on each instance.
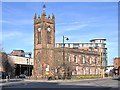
(60, 62)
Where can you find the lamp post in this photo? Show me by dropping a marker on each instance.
(64, 65)
(27, 67)
(29, 64)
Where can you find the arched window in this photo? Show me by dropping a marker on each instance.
(49, 35)
(75, 59)
(39, 35)
(90, 71)
(90, 60)
(96, 60)
(83, 59)
(47, 67)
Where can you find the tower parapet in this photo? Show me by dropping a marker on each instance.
(48, 19)
(44, 43)
(53, 18)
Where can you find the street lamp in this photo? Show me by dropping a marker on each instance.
(64, 66)
(27, 67)
(29, 64)
(63, 49)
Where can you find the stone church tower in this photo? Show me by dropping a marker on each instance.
(44, 44)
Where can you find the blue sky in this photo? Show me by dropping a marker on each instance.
(80, 21)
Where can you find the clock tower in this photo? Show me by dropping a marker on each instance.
(44, 44)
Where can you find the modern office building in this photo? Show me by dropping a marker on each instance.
(12, 65)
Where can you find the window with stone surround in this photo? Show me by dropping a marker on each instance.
(83, 59)
(90, 60)
(90, 71)
(47, 67)
(39, 35)
(96, 60)
(96, 71)
(69, 58)
(75, 59)
(49, 35)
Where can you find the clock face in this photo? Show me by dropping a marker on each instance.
(38, 60)
(48, 29)
(39, 29)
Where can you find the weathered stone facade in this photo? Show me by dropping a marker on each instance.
(117, 66)
(79, 62)
(44, 43)
(49, 60)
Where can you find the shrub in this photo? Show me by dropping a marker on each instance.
(106, 75)
(86, 77)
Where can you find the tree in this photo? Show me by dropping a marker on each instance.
(6, 64)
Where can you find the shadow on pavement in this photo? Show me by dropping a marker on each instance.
(56, 86)
(10, 80)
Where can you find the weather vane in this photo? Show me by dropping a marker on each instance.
(44, 6)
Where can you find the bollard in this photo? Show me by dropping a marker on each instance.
(6, 78)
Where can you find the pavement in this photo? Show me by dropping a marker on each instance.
(13, 82)
(9, 80)
(66, 80)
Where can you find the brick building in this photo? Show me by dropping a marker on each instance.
(19, 53)
(44, 43)
(78, 62)
(98, 45)
(60, 61)
(117, 66)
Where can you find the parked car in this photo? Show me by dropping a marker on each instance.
(22, 76)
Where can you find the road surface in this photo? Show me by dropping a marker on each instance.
(104, 84)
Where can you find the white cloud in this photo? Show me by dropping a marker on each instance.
(67, 23)
(75, 27)
(26, 38)
(10, 35)
(70, 26)
(24, 21)
(17, 22)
